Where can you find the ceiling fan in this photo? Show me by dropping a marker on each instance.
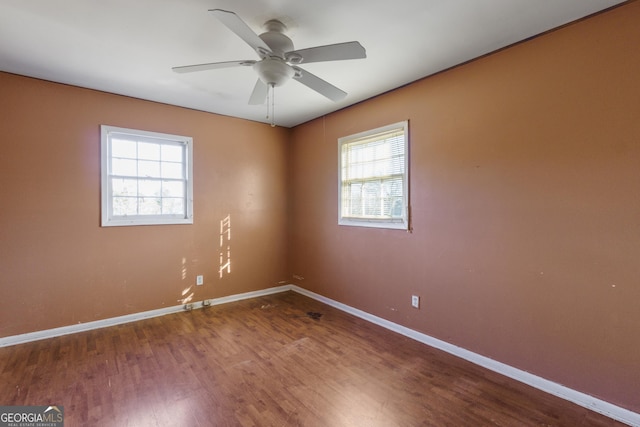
(279, 61)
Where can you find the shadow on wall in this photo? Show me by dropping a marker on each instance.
(225, 246)
(187, 293)
(224, 266)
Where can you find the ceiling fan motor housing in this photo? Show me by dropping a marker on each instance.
(275, 38)
(273, 68)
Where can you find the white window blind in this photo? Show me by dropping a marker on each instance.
(373, 178)
(146, 178)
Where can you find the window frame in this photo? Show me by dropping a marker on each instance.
(107, 217)
(399, 223)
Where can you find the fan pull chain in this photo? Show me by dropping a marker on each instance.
(268, 91)
(271, 105)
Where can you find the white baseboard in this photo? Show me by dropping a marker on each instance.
(81, 327)
(597, 405)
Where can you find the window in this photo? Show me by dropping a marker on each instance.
(146, 178)
(373, 184)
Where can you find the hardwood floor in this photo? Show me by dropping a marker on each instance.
(279, 360)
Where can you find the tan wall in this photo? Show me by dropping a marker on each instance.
(58, 267)
(525, 193)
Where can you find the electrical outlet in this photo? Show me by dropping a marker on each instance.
(199, 280)
(415, 301)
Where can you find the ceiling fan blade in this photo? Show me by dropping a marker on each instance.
(259, 94)
(319, 85)
(242, 30)
(211, 66)
(332, 52)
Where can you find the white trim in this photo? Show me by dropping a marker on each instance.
(597, 405)
(88, 326)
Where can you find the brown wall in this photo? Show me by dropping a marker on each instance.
(58, 267)
(525, 194)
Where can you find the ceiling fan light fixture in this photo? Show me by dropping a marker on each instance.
(273, 72)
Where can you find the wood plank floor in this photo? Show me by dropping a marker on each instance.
(278, 360)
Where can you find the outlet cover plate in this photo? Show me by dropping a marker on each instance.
(415, 301)
(199, 280)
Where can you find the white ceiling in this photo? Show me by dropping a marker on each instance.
(128, 47)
